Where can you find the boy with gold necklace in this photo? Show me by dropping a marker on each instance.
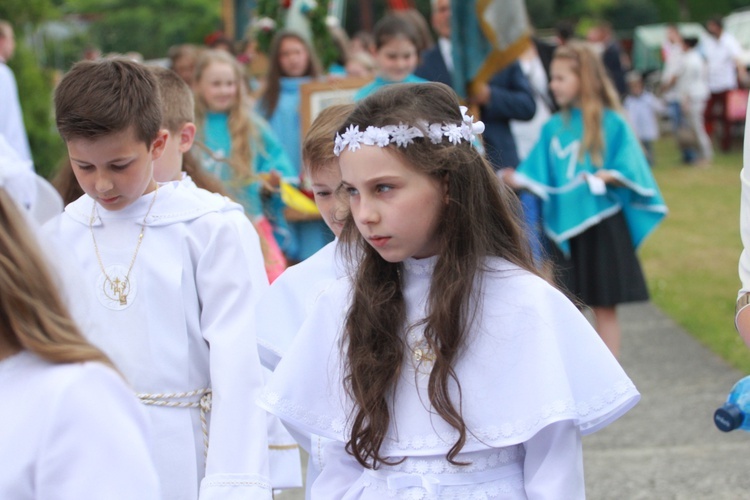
(175, 284)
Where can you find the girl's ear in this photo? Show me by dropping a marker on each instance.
(446, 195)
(187, 136)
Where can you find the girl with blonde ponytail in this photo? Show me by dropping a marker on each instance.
(599, 198)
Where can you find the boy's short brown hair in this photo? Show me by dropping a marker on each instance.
(100, 98)
(177, 104)
(317, 147)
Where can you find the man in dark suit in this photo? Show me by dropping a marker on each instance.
(437, 62)
(507, 96)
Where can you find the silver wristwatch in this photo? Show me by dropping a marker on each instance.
(742, 302)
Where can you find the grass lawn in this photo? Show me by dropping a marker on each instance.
(690, 261)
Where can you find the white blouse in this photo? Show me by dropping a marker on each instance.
(534, 377)
(285, 468)
(744, 266)
(187, 327)
(71, 431)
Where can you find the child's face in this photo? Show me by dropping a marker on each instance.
(293, 57)
(116, 169)
(635, 87)
(396, 208)
(397, 59)
(333, 208)
(356, 69)
(218, 87)
(185, 66)
(168, 167)
(564, 83)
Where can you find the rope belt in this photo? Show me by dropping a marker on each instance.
(173, 400)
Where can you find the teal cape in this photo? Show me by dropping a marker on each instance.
(556, 172)
(381, 82)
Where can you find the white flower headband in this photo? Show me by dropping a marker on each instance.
(404, 135)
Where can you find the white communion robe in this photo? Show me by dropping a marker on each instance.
(284, 463)
(187, 326)
(291, 298)
(282, 311)
(534, 378)
(71, 431)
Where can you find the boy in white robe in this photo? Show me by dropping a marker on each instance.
(283, 309)
(178, 116)
(175, 282)
(286, 305)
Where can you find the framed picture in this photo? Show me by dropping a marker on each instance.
(318, 95)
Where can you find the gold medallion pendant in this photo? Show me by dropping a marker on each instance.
(115, 283)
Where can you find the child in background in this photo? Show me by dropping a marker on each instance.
(294, 293)
(291, 298)
(240, 148)
(692, 87)
(445, 367)
(178, 164)
(361, 65)
(178, 115)
(396, 53)
(293, 63)
(599, 197)
(182, 60)
(74, 429)
(175, 284)
(643, 109)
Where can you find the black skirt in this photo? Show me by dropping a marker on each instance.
(603, 269)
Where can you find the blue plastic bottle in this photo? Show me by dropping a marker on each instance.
(735, 414)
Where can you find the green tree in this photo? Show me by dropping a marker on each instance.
(148, 27)
(35, 83)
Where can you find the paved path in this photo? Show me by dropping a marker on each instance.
(666, 447)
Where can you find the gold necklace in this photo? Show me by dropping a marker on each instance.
(119, 289)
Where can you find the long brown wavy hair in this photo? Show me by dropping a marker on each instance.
(481, 219)
(596, 94)
(32, 314)
(272, 91)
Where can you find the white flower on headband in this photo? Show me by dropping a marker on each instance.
(453, 133)
(403, 134)
(376, 136)
(352, 137)
(470, 128)
(435, 132)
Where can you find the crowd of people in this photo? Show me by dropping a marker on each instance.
(420, 336)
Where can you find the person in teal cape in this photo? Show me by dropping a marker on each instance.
(599, 197)
(292, 64)
(240, 148)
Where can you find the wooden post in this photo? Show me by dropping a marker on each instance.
(228, 18)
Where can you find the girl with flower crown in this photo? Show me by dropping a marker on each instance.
(444, 365)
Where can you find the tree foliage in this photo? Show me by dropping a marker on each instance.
(35, 83)
(149, 27)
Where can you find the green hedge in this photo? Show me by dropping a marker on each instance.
(35, 87)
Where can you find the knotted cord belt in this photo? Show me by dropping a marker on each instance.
(172, 400)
